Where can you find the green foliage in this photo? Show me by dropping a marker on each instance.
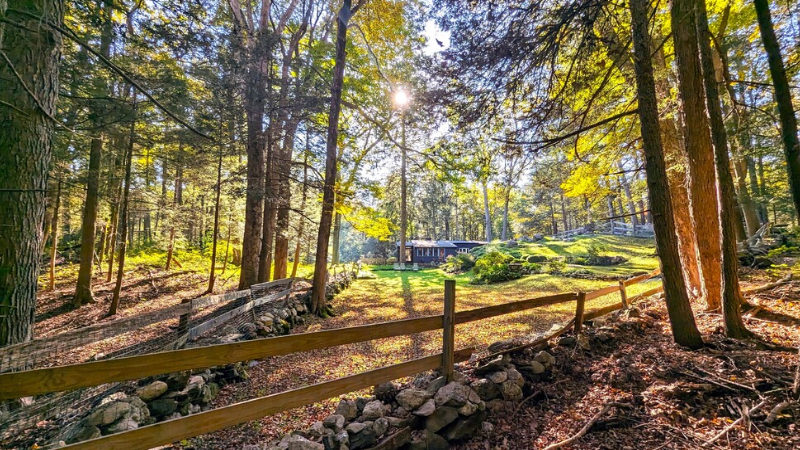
(494, 267)
(459, 263)
(556, 266)
(532, 268)
(536, 259)
(782, 250)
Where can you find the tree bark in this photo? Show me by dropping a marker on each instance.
(83, 291)
(783, 97)
(324, 234)
(684, 329)
(700, 152)
(54, 234)
(487, 217)
(124, 219)
(731, 297)
(302, 224)
(215, 233)
(31, 63)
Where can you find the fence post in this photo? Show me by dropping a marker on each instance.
(448, 329)
(623, 294)
(579, 312)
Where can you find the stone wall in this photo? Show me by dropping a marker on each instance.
(427, 413)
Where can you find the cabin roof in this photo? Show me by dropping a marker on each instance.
(438, 244)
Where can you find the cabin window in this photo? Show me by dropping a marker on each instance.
(463, 250)
(419, 252)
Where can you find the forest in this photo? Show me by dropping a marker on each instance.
(156, 152)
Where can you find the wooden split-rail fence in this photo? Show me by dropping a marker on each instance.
(55, 379)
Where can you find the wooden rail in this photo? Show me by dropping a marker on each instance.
(53, 379)
(41, 381)
(205, 422)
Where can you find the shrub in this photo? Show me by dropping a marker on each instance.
(459, 263)
(780, 251)
(556, 266)
(536, 259)
(493, 267)
(532, 268)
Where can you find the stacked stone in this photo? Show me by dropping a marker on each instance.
(166, 397)
(429, 413)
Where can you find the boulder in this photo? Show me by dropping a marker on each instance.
(81, 431)
(468, 409)
(516, 377)
(440, 418)
(567, 341)
(108, 413)
(411, 399)
(356, 427)
(373, 410)
(464, 428)
(152, 391)
(485, 389)
(297, 442)
(366, 438)
(545, 358)
(537, 367)
(317, 429)
(428, 441)
(386, 391)
(426, 409)
(487, 427)
(162, 407)
(436, 384)
(348, 409)
(511, 391)
(335, 422)
(380, 426)
(497, 364)
(453, 394)
(497, 377)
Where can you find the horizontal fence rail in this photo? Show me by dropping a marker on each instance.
(69, 377)
(205, 422)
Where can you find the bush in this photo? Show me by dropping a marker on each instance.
(459, 263)
(556, 266)
(781, 251)
(493, 267)
(532, 268)
(536, 259)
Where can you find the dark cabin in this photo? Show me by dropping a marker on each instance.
(435, 252)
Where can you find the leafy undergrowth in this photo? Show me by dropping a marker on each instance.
(677, 399)
(392, 296)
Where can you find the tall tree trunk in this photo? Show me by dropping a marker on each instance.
(553, 221)
(702, 179)
(284, 200)
(401, 257)
(177, 202)
(301, 226)
(337, 231)
(83, 291)
(487, 216)
(32, 53)
(783, 97)
(731, 297)
(211, 277)
(324, 234)
(255, 104)
(124, 215)
(505, 214)
(227, 248)
(684, 329)
(564, 217)
(54, 234)
(268, 223)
